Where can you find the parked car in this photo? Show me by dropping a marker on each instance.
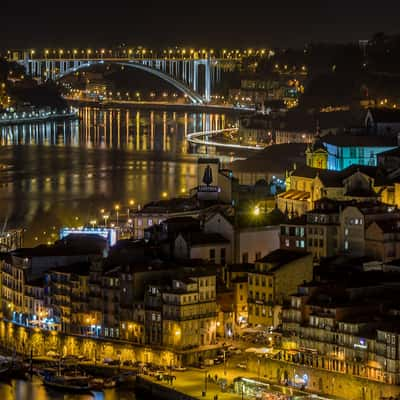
(127, 363)
(181, 369)
(242, 365)
(218, 361)
(110, 361)
(52, 353)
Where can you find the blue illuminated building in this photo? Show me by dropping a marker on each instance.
(346, 150)
(110, 234)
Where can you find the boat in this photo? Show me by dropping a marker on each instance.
(100, 383)
(75, 383)
(13, 370)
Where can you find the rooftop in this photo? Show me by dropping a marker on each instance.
(388, 226)
(385, 115)
(351, 140)
(179, 204)
(59, 250)
(202, 238)
(281, 257)
(81, 268)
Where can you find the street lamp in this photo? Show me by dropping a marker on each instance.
(105, 216)
(117, 210)
(131, 204)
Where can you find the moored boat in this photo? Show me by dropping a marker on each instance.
(78, 383)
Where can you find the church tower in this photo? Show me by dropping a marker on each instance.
(317, 155)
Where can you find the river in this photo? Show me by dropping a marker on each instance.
(57, 174)
(34, 390)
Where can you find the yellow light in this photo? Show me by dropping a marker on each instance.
(256, 211)
(177, 333)
(183, 190)
(164, 195)
(131, 202)
(116, 207)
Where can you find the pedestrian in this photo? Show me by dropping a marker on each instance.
(216, 378)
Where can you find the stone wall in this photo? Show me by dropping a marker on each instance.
(330, 383)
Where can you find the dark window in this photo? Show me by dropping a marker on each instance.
(223, 256)
(212, 254)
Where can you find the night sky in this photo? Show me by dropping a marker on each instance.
(193, 23)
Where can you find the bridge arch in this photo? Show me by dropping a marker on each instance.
(193, 96)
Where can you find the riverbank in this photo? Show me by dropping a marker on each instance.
(19, 119)
(158, 105)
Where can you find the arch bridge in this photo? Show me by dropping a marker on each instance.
(194, 77)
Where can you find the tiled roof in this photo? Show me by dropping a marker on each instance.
(281, 257)
(202, 238)
(292, 194)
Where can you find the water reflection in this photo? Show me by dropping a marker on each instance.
(55, 174)
(132, 130)
(34, 390)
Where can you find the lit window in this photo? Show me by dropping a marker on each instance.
(150, 222)
(287, 242)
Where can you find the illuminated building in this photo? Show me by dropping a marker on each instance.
(110, 234)
(21, 274)
(180, 312)
(346, 324)
(346, 150)
(272, 280)
(206, 246)
(67, 290)
(237, 281)
(189, 311)
(317, 155)
(247, 244)
(382, 240)
(306, 185)
(11, 239)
